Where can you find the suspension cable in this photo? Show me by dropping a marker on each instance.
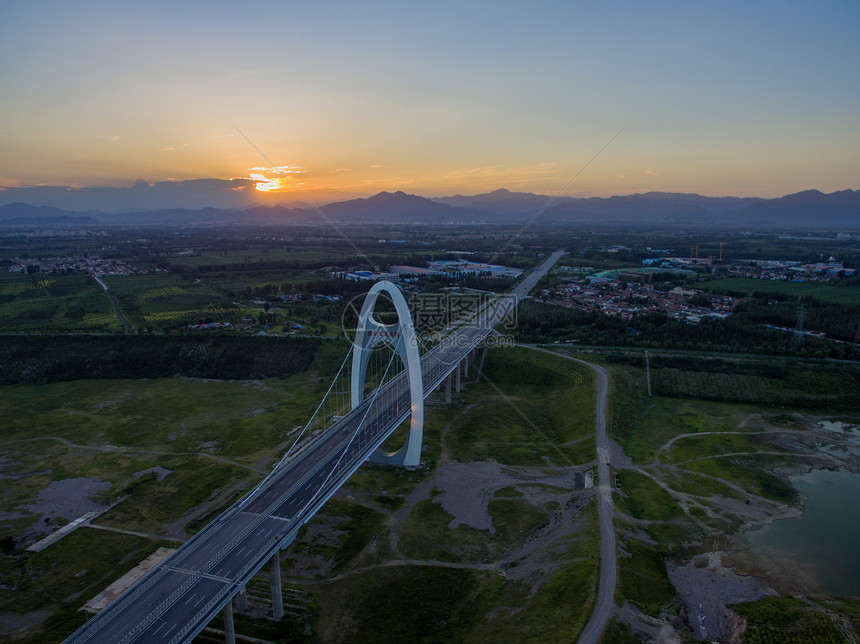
(331, 386)
(351, 438)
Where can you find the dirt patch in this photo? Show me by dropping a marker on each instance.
(707, 586)
(468, 488)
(67, 499)
(70, 498)
(776, 569)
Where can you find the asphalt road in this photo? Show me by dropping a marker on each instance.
(605, 603)
(180, 596)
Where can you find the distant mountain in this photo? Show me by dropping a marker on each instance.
(504, 201)
(399, 207)
(807, 209)
(810, 209)
(651, 208)
(24, 215)
(661, 204)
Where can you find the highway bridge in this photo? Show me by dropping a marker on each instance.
(178, 598)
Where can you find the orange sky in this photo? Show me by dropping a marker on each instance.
(722, 99)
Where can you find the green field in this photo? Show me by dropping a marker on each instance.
(820, 291)
(165, 301)
(530, 406)
(43, 303)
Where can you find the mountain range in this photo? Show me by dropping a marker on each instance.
(810, 209)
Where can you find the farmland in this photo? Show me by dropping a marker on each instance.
(823, 292)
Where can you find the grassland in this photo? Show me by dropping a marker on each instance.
(642, 577)
(530, 407)
(239, 420)
(559, 607)
(57, 581)
(787, 619)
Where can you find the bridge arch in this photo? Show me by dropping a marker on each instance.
(401, 336)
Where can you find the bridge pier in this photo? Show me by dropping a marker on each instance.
(466, 362)
(242, 599)
(457, 378)
(229, 631)
(275, 583)
(448, 389)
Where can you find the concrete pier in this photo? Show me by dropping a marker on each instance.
(242, 599)
(229, 632)
(275, 581)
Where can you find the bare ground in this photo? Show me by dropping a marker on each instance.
(69, 499)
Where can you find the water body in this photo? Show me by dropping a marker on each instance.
(827, 535)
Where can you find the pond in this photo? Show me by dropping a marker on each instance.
(827, 535)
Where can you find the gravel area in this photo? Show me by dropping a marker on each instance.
(706, 586)
(467, 489)
(69, 498)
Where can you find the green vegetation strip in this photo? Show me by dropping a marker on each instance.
(785, 619)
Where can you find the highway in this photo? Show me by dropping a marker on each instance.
(177, 599)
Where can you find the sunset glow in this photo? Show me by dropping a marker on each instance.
(421, 101)
(274, 179)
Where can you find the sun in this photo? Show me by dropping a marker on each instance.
(274, 179)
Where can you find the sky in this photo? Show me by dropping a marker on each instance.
(432, 98)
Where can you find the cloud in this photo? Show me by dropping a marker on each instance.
(378, 165)
(275, 179)
(189, 193)
(501, 173)
(651, 173)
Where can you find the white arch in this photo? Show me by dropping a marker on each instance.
(402, 337)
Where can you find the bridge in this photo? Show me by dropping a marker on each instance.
(179, 597)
